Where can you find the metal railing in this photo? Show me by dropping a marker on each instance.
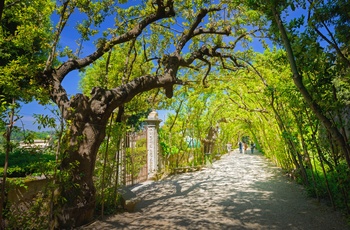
(135, 158)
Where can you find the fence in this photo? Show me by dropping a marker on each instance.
(135, 158)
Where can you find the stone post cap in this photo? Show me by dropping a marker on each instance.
(153, 115)
(153, 118)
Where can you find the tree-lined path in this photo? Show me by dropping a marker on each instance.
(240, 191)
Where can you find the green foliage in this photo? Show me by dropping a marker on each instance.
(136, 158)
(164, 145)
(184, 136)
(24, 40)
(107, 186)
(117, 71)
(338, 183)
(45, 121)
(136, 120)
(23, 162)
(33, 217)
(109, 164)
(111, 71)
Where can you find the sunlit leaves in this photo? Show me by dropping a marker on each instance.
(24, 41)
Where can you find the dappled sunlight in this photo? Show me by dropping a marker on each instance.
(240, 191)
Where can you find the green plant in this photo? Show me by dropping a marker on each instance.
(23, 162)
(29, 213)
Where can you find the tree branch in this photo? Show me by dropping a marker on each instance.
(127, 71)
(145, 53)
(333, 43)
(213, 51)
(61, 24)
(246, 108)
(187, 36)
(124, 93)
(207, 72)
(163, 11)
(257, 72)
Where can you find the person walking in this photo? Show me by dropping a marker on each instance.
(240, 146)
(245, 147)
(252, 147)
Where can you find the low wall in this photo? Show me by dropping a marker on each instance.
(18, 195)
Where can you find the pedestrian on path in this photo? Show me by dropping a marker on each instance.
(240, 146)
(252, 146)
(245, 147)
(229, 147)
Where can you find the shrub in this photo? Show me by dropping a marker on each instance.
(23, 162)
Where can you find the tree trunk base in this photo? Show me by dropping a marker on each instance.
(71, 217)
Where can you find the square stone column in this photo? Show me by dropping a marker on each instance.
(152, 143)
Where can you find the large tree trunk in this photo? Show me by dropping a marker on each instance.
(75, 197)
(87, 118)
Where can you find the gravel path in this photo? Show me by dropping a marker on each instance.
(240, 191)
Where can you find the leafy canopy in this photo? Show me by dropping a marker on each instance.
(25, 35)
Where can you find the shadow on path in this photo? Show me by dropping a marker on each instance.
(240, 191)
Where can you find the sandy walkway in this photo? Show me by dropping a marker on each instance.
(240, 191)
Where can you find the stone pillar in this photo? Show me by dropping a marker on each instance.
(152, 143)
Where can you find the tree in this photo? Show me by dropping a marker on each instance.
(24, 36)
(175, 36)
(320, 16)
(24, 39)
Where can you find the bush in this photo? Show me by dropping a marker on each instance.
(23, 162)
(339, 184)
